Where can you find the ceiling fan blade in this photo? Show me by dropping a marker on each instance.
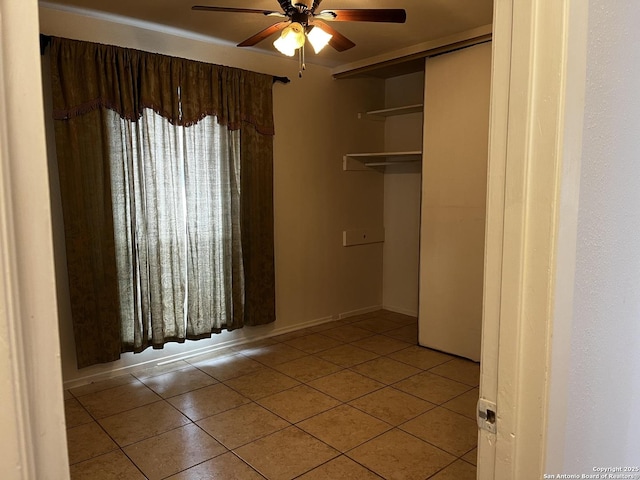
(206, 8)
(258, 37)
(338, 41)
(391, 15)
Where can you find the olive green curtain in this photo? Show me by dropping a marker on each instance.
(87, 76)
(89, 83)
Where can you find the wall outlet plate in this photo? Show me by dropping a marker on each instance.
(362, 236)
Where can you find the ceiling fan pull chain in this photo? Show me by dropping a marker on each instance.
(301, 61)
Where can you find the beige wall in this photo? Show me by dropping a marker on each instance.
(402, 185)
(453, 200)
(316, 123)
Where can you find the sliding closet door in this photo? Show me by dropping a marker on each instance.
(456, 126)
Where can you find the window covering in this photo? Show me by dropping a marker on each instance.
(87, 80)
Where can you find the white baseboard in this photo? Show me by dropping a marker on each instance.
(242, 341)
(85, 380)
(404, 311)
(359, 311)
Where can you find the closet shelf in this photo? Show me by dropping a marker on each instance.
(385, 164)
(389, 112)
(363, 161)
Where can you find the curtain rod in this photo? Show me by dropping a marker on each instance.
(45, 40)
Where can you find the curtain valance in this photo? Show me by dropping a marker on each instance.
(182, 91)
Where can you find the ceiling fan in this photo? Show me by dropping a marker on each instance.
(302, 23)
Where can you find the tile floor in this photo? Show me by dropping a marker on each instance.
(351, 399)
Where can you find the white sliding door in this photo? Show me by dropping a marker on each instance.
(454, 182)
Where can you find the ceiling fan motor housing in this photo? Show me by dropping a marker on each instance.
(290, 7)
(301, 17)
(305, 4)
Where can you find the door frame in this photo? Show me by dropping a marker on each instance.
(535, 123)
(32, 415)
(538, 83)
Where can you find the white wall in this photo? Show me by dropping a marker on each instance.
(603, 391)
(316, 123)
(402, 185)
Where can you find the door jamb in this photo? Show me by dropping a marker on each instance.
(535, 132)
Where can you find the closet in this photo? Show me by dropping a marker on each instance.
(400, 163)
(434, 163)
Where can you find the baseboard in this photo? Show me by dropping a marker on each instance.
(80, 381)
(360, 311)
(242, 341)
(404, 311)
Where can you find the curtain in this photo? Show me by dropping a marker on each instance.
(166, 178)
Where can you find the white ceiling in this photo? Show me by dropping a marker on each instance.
(426, 20)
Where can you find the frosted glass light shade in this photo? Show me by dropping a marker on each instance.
(290, 40)
(318, 38)
(284, 47)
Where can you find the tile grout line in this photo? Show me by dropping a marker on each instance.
(305, 383)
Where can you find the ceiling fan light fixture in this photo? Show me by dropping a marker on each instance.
(318, 38)
(290, 40)
(284, 47)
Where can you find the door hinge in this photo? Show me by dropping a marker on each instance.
(487, 415)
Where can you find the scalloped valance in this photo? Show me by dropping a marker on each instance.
(182, 91)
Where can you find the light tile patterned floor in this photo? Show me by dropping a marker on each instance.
(351, 399)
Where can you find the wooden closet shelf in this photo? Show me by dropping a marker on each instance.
(389, 112)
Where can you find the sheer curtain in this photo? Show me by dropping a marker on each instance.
(176, 205)
(166, 181)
